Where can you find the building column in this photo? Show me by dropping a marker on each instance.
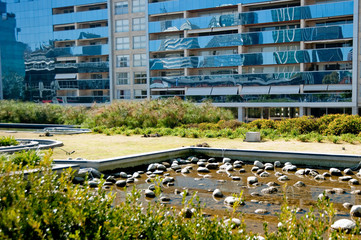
(354, 110)
(241, 114)
(301, 111)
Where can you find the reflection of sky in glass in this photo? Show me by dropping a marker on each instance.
(264, 58)
(34, 21)
(264, 16)
(265, 37)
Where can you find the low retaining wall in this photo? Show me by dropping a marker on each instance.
(33, 144)
(307, 159)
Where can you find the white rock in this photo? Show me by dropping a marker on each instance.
(236, 178)
(269, 190)
(335, 172)
(283, 178)
(345, 178)
(348, 171)
(149, 193)
(258, 164)
(226, 160)
(261, 211)
(264, 174)
(252, 180)
(185, 171)
(355, 211)
(319, 177)
(347, 205)
(203, 170)
(299, 184)
(354, 182)
(277, 164)
(217, 193)
(232, 200)
(343, 225)
(152, 167)
(229, 168)
(234, 221)
(289, 168)
(123, 175)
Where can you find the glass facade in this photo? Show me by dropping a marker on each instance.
(247, 52)
(255, 17)
(56, 46)
(248, 59)
(255, 38)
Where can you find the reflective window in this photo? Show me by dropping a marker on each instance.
(139, 42)
(140, 78)
(122, 78)
(121, 7)
(139, 60)
(138, 6)
(122, 60)
(122, 25)
(123, 94)
(139, 93)
(138, 24)
(122, 43)
(249, 59)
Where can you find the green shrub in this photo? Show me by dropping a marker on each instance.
(8, 141)
(344, 124)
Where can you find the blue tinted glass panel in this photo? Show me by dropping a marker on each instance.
(260, 79)
(183, 5)
(85, 16)
(316, 97)
(93, 50)
(88, 33)
(249, 59)
(266, 37)
(264, 16)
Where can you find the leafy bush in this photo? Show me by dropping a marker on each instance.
(24, 158)
(8, 141)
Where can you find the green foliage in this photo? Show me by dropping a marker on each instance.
(23, 158)
(8, 141)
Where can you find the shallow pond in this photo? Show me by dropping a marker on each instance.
(205, 183)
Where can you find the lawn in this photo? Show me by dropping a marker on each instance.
(99, 146)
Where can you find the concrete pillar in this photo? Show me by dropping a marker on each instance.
(354, 110)
(241, 114)
(308, 111)
(301, 111)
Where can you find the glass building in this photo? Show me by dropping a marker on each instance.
(55, 51)
(268, 59)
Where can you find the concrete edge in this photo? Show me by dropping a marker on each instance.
(301, 158)
(42, 144)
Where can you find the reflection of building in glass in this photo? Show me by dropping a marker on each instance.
(266, 58)
(11, 54)
(269, 59)
(62, 48)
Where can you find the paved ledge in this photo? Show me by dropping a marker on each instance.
(300, 158)
(32, 144)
